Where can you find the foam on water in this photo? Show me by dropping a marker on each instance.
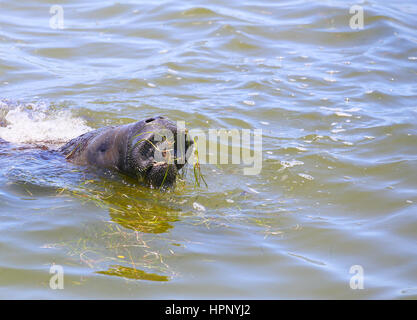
(36, 123)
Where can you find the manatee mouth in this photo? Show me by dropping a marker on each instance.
(163, 157)
(164, 173)
(161, 175)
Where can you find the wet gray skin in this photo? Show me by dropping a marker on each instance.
(152, 150)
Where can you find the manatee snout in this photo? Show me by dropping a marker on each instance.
(161, 151)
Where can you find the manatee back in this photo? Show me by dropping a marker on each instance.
(75, 149)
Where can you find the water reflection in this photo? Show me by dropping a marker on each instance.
(134, 210)
(130, 204)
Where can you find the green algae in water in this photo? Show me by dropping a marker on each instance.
(132, 273)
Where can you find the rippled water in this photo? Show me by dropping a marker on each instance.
(337, 108)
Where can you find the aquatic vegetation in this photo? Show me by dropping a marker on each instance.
(123, 252)
(130, 204)
(132, 273)
(198, 175)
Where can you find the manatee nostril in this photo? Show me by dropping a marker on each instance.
(153, 119)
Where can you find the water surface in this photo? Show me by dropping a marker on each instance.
(337, 108)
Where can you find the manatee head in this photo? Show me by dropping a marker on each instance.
(157, 150)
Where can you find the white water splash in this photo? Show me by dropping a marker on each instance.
(290, 164)
(342, 112)
(199, 207)
(306, 176)
(37, 123)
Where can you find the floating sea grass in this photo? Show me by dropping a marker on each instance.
(132, 273)
(198, 176)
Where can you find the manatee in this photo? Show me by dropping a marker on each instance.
(151, 150)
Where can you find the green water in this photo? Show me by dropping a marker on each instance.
(337, 109)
